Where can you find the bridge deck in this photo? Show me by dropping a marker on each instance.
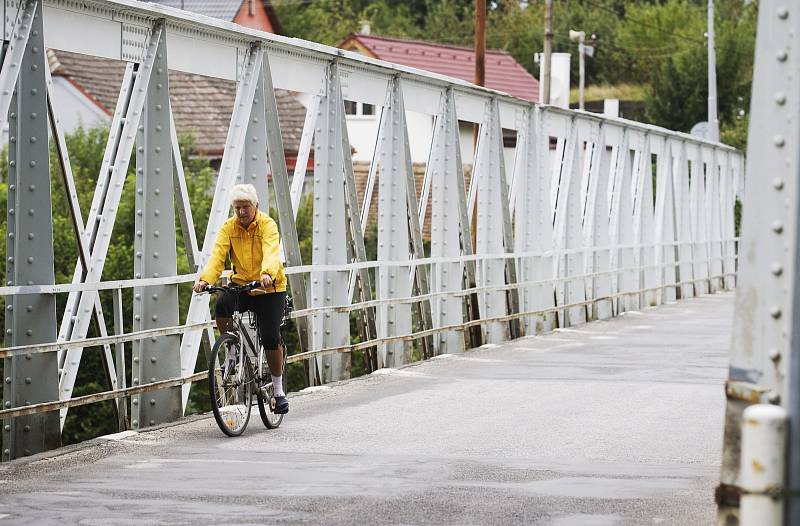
(617, 422)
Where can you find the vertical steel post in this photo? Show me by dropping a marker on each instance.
(643, 233)
(700, 252)
(331, 329)
(533, 223)
(685, 232)
(595, 225)
(30, 318)
(713, 218)
(567, 227)
(765, 350)
(445, 169)
(620, 221)
(393, 232)
(420, 274)
(285, 199)
(156, 255)
(665, 234)
(122, 409)
(487, 177)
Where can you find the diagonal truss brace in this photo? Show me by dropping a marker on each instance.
(120, 148)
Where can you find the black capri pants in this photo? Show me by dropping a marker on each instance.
(268, 309)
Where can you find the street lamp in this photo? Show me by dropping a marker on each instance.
(583, 50)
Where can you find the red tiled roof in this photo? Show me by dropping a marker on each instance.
(503, 73)
(201, 106)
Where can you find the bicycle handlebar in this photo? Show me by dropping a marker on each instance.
(233, 288)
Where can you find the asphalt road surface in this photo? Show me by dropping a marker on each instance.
(616, 422)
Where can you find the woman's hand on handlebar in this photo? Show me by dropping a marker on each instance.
(199, 286)
(266, 280)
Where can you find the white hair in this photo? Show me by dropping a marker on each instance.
(244, 192)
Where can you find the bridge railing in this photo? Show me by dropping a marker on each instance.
(597, 216)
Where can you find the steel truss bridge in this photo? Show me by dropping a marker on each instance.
(596, 217)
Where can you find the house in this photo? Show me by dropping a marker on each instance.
(503, 73)
(86, 88)
(255, 14)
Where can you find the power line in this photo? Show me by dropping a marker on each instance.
(645, 24)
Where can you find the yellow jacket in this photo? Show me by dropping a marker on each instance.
(253, 252)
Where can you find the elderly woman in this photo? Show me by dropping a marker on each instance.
(252, 240)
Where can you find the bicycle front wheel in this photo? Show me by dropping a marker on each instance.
(230, 385)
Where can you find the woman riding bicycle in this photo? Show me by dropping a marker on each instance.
(252, 240)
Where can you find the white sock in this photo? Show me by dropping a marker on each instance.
(277, 386)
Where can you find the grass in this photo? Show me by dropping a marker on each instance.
(607, 91)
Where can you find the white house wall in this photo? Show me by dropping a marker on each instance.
(75, 108)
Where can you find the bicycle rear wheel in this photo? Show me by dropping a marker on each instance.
(230, 385)
(266, 401)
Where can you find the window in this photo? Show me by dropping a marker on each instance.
(352, 107)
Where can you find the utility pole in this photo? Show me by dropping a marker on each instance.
(480, 42)
(713, 120)
(548, 50)
(580, 36)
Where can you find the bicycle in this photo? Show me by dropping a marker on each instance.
(232, 377)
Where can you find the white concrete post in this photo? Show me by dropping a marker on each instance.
(762, 465)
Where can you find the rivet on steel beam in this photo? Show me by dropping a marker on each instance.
(8, 379)
(7, 428)
(774, 355)
(776, 269)
(782, 55)
(135, 359)
(777, 183)
(152, 422)
(30, 259)
(777, 227)
(30, 235)
(152, 402)
(779, 141)
(775, 312)
(29, 308)
(773, 397)
(783, 13)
